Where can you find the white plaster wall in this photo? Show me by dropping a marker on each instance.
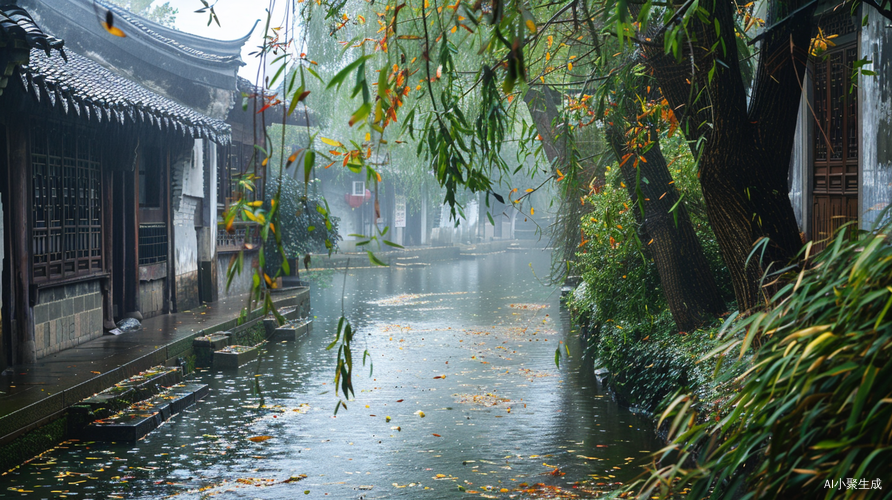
(193, 175)
(208, 243)
(185, 236)
(798, 162)
(875, 99)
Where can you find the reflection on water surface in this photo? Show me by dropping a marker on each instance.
(464, 399)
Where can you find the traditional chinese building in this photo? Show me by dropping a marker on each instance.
(842, 160)
(110, 173)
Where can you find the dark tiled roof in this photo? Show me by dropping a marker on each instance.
(86, 88)
(17, 25)
(149, 29)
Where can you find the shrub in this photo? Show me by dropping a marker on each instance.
(302, 226)
(815, 408)
(622, 282)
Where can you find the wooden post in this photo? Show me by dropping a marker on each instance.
(170, 283)
(24, 345)
(108, 319)
(132, 267)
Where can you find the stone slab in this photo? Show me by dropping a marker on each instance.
(232, 360)
(140, 419)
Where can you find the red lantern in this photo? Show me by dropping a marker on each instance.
(356, 201)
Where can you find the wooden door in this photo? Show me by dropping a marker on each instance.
(834, 180)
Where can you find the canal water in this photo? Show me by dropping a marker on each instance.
(464, 400)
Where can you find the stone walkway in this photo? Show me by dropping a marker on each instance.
(36, 394)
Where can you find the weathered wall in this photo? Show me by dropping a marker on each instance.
(186, 190)
(799, 163)
(875, 98)
(241, 284)
(66, 316)
(151, 297)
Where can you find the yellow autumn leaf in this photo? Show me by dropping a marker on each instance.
(368, 137)
(330, 142)
(268, 280)
(550, 41)
(532, 211)
(112, 30)
(569, 66)
(250, 215)
(531, 26)
(255, 203)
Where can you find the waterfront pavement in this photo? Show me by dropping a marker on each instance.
(35, 394)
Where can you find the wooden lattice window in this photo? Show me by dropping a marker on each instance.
(835, 172)
(152, 244)
(66, 204)
(238, 159)
(836, 109)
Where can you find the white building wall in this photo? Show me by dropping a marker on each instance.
(875, 100)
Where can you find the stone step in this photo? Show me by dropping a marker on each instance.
(411, 264)
(134, 389)
(234, 356)
(292, 330)
(135, 422)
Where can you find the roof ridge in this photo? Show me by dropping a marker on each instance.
(146, 26)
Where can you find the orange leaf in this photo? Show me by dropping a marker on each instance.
(259, 439)
(437, 435)
(113, 30)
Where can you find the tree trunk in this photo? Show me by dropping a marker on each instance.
(688, 283)
(687, 280)
(743, 154)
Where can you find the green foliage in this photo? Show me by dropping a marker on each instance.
(33, 443)
(622, 282)
(649, 360)
(303, 228)
(815, 405)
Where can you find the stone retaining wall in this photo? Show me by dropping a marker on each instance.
(67, 315)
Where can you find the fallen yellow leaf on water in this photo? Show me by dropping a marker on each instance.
(387, 419)
(440, 376)
(420, 413)
(259, 439)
